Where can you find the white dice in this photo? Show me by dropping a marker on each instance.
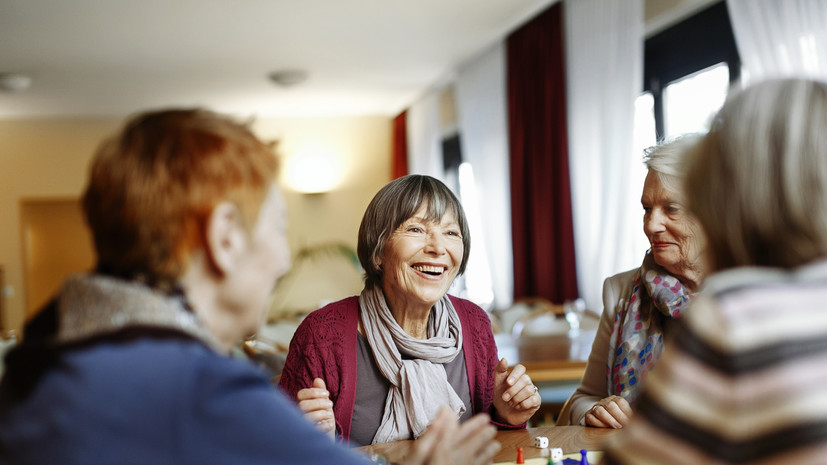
(556, 454)
(541, 442)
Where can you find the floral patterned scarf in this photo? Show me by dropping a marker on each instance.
(637, 335)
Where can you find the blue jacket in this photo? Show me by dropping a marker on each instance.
(149, 396)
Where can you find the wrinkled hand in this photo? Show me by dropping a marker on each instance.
(446, 442)
(515, 396)
(611, 412)
(317, 407)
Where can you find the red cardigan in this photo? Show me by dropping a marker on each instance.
(324, 346)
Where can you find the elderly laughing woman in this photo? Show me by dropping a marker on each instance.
(377, 367)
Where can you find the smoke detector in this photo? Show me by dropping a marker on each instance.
(14, 82)
(288, 77)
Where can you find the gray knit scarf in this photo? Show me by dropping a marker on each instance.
(419, 385)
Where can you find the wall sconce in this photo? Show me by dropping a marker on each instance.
(313, 170)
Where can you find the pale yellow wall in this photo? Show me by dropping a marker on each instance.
(363, 149)
(49, 159)
(38, 159)
(55, 244)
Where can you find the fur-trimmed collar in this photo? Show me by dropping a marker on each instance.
(93, 305)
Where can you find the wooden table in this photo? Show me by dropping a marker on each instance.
(570, 438)
(559, 357)
(555, 363)
(555, 370)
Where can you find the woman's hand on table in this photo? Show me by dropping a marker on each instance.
(317, 407)
(515, 396)
(610, 412)
(446, 442)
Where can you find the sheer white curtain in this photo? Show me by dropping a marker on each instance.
(483, 128)
(780, 38)
(425, 137)
(604, 74)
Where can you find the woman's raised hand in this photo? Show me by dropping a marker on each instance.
(446, 442)
(317, 407)
(610, 412)
(515, 396)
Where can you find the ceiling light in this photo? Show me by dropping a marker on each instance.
(288, 77)
(14, 82)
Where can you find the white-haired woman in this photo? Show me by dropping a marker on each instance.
(640, 305)
(744, 380)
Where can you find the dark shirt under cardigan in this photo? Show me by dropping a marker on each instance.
(326, 346)
(371, 386)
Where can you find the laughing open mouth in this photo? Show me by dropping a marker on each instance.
(429, 269)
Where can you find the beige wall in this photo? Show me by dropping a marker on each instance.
(362, 147)
(55, 243)
(38, 159)
(49, 158)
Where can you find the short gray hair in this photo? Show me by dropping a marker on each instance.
(394, 204)
(758, 181)
(667, 161)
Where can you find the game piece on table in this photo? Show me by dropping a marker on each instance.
(541, 442)
(583, 459)
(520, 458)
(556, 455)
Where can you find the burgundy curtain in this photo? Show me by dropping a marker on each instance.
(543, 236)
(399, 164)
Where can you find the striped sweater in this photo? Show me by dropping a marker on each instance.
(745, 379)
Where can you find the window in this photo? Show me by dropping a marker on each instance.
(687, 72)
(475, 284)
(644, 124)
(691, 102)
(478, 288)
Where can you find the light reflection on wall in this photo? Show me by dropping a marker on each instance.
(313, 170)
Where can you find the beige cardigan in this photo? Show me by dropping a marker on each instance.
(593, 386)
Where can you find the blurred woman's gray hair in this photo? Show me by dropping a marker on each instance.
(394, 204)
(667, 161)
(758, 181)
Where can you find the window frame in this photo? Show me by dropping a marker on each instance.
(694, 44)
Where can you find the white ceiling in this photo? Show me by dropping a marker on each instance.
(114, 57)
